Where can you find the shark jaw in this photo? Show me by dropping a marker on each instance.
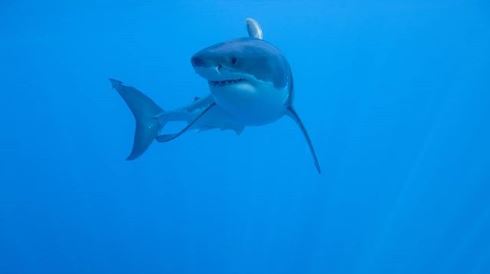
(249, 101)
(222, 83)
(219, 75)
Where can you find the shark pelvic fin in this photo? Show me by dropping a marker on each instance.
(294, 115)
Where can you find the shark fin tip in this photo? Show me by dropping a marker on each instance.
(115, 83)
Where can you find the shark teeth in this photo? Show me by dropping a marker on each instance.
(225, 82)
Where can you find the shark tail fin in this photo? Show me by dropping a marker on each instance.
(144, 111)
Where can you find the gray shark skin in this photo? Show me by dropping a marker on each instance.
(251, 84)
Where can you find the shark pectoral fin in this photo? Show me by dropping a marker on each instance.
(294, 115)
(165, 138)
(199, 103)
(170, 137)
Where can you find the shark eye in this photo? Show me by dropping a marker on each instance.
(233, 60)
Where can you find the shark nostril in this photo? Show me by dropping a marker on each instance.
(197, 61)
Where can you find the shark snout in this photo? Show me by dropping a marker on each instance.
(197, 61)
(207, 59)
(206, 67)
(204, 59)
(213, 66)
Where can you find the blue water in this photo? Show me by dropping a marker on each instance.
(395, 95)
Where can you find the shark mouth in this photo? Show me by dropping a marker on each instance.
(225, 82)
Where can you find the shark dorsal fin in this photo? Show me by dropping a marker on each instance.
(254, 30)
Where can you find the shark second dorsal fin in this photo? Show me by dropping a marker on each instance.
(254, 30)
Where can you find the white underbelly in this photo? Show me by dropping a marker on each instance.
(256, 104)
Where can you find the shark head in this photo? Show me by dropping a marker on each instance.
(248, 77)
(242, 59)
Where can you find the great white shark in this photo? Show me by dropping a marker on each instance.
(251, 84)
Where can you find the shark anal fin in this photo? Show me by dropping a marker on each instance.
(294, 115)
(169, 137)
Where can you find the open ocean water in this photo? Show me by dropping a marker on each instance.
(395, 95)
